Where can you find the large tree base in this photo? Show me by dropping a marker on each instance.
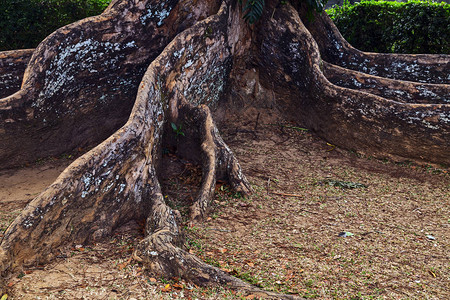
(276, 65)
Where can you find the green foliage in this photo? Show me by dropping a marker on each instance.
(253, 9)
(25, 23)
(395, 27)
(178, 130)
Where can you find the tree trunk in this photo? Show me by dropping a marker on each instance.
(182, 62)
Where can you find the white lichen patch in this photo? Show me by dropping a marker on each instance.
(158, 12)
(426, 93)
(204, 71)
(422, 118)
(297, 58)
(444, 117)
(87, 55)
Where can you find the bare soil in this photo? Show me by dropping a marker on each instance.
(323, 223)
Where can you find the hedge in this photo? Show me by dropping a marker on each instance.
(377, 26)
(25, 23)
(395, 27)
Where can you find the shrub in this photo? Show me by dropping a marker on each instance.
(25, 23)
(408, 27)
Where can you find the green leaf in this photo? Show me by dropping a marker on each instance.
(253, 10)
(174, 126)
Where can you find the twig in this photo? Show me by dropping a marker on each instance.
(256, 123)
(288, 195)
(308, 211)
(218, 229)
(290, 127)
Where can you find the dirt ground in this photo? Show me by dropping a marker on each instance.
(323, 223)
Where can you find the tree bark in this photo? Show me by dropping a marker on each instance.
(158, 63)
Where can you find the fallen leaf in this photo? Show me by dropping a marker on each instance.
(250, 297)
(152, 279)
(178, 286)
(432, 273)
(28, 272)
(10, 284)
(166, 288)
(250, 264)
(223, 250)
(4, 297)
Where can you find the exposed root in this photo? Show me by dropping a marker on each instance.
(350, 118)
(81, 82)
(116, 182)
(398, 90)
(218, 161)
(160, 251)
(424, 68)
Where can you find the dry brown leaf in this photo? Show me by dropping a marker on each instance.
(223, 250)
(250, 297)
(178, 286)
(250, 264)
(153, 279)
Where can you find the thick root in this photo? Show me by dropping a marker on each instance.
(424, 68)
(398, 90)
(81, 81)
(12, 69)
(353, 119)
(218, 161)
(160, 251)
(117, 181)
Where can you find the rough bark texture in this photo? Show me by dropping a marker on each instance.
(12, 67)
(176, 65)
(411, 67)
(353, 118)
(81, 82)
